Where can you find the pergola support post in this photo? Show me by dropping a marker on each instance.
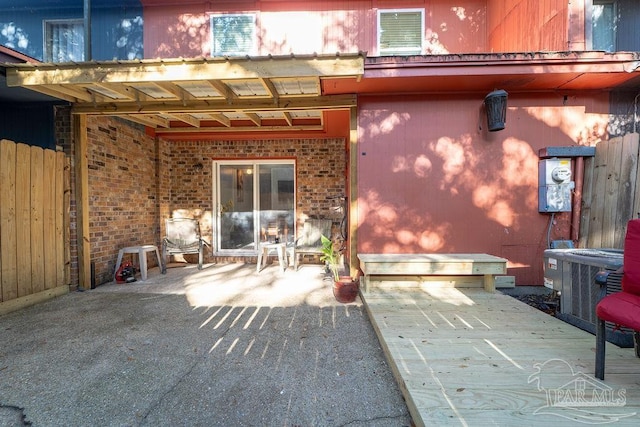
(353, 192)
(82, 200)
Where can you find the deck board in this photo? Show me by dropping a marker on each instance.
(469, 357)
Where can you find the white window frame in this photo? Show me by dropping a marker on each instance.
(47, 50)
(409, 50)
(251, 49)
(217, 191)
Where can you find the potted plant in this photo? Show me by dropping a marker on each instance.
(345, 289)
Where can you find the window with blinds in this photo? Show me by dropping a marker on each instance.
(64, 40)
(232, 35)
(400, 32)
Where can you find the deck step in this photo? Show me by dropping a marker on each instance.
(420, 282)
(448, 270)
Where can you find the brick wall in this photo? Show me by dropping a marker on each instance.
(124, 191)
(136, 181)
(320, 166)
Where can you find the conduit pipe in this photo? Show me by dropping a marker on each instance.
(635, 112)
(577, 153)
(577, 198)
(87, 30)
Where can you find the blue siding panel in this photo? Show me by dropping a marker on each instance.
(116, 26)
(117, 34)
(32, 124)
(628, 31)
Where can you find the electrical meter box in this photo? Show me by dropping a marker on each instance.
(554, 185)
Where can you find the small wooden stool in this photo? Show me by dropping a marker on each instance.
(142, 258)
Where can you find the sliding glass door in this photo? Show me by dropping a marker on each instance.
(255, 202)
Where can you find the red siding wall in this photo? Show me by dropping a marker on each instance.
(459, 27)
(535, 25)
(304, 27)
(430, 180)
(465, 26)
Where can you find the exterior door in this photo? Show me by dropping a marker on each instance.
(255, 202)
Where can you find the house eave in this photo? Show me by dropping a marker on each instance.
(146, 70)
(535, 71)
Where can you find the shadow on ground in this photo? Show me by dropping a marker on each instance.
(129, 356)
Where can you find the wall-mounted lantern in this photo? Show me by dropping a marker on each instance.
(495, 104)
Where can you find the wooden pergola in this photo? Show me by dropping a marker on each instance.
(178, 97)
(200, 95)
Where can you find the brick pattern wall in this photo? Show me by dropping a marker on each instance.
(321, 166)
(136, 181)
(124, 191)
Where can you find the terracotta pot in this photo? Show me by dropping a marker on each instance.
(345, 290)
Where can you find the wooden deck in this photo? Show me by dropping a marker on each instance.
(472, 358)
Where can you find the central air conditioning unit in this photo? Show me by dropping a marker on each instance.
(572, 272)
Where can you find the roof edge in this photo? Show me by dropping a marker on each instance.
(503, 58)
(190, 61)
(18, 56)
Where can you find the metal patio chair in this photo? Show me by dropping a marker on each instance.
(309, 242)
(182, 237)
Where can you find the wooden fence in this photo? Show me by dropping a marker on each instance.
(34, 225)
(610, 196)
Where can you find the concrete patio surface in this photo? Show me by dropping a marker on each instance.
(224, 346)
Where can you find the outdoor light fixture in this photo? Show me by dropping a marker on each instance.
(495, 104)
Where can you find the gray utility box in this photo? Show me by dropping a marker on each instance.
(572, 272)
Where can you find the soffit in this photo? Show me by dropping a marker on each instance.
(514, 72)
(200, 95)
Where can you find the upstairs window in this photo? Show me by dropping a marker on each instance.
(604, 23)
(64, 40)
(232, 35)
(400, 32)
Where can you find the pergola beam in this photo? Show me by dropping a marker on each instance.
(248, 105)
(220, 129)
(185, 70)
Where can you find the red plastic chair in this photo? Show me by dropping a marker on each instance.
(621, 308)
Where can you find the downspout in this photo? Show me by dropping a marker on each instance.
(87, 30)
(577, 199)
